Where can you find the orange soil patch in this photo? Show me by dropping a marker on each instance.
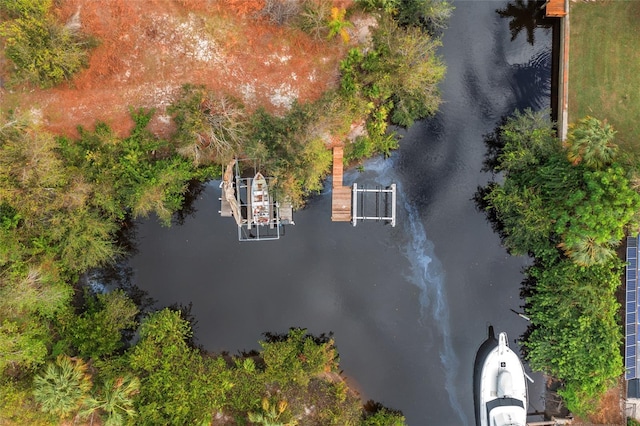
(150, 48)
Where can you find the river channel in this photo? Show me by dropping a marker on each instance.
(408, 305)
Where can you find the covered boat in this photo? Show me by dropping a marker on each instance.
(260, 203)
(503, 388)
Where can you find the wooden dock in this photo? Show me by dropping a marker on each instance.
(341, 195)
(556, 8)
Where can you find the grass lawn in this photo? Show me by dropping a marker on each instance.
(604, 66)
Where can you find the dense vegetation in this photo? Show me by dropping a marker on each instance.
(44, 51)
(67, 353)
(567, 206)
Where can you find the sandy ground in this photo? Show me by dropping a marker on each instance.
(150, 48)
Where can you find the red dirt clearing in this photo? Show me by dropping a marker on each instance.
(150, 48)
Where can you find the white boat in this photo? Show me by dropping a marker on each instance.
(260, 203)
(503, 388)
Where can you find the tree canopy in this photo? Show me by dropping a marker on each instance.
(548, 201)
(568, 206)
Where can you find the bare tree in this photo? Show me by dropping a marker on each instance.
(280, 12)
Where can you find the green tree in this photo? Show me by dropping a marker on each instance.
(29, 299)
(592, 218)
(17, 8)
(545, 198)
(46, 217)
(63, 387)
(18, 406)
(381, 416)
(313, 18)
(523, 215)
(44, 51)
(591, 142)
(297, 357)
(385, 6)
(247, 387)
(178, 386)
(400, 73)
(430, 15)
(294, 145)
(138, 174)
(575, 337)
(24, 342)
(97, 332)
(521, 143)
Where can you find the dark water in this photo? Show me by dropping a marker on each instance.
(409, 306)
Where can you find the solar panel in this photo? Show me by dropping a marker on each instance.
(631, 323)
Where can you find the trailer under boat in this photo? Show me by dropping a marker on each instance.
(502, 396)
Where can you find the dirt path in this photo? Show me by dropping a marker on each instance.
(150, 48)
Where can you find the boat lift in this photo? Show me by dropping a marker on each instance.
(382, 208)
(235, 201)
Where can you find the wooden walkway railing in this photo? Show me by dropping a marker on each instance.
(341, 195)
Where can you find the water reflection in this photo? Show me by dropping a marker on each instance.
(532, 82)
(427, 274)
(524, 15)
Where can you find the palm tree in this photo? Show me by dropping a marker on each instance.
(116, 400)
(588, 252)
(64, 386)
(590, 141)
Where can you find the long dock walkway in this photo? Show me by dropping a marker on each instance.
(560, 9)
(341, 195)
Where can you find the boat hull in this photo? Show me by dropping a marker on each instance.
(502, 393)
(260, 200)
